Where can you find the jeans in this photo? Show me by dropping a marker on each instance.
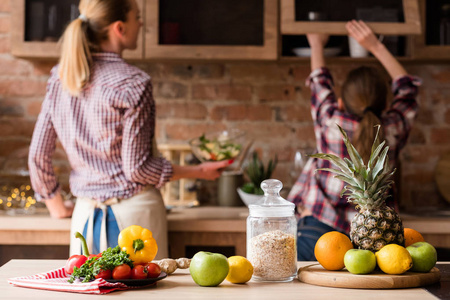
(112, 229)
(309, 230)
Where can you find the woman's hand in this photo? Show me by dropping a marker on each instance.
(207, 170)
(58, 208)
(317, 40)
(363, 35)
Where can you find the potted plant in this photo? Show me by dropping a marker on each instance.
(256, 171)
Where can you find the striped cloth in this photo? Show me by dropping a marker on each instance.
(56, 280)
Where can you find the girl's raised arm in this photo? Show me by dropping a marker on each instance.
(366, 38)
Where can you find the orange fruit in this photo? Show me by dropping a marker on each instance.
(330, 250)
(412, 236)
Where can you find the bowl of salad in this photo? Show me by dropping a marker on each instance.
(218, 145)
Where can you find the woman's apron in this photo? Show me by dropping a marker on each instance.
(145, 209)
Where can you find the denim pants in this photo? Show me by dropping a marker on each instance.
(309, 230)
(112, 229)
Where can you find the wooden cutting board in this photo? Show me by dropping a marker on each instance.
(315, 274)
(442, 176)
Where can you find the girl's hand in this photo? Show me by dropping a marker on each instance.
(59, 208)
(362, 34)
(317, 40)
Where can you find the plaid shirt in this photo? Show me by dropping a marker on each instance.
(319, 192)
(107, 133)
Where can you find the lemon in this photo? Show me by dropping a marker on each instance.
(241, 270)
(394, 259)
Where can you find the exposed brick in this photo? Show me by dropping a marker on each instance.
(259, 72)
(181, 71)
(5, 44)
(241, 112)
(4, 24)
(170, 90)
(16, 127)
(419, 154)
(187, 131)
(12, 67)
(276, 93)
(442, 75)
(426, 116)
(10, 145)
(416, 136)
(294, 113)
(447, 116)
(221, 92)
(22, 87)
(268, 132)
(440, 136)
(429, 197)
(423, 177)
(438, 97)
(301, 73)
(34, 108)
(5, 5)
(181, 111)
(10, 108)
(43, 67)
(209, 71)
(305, 135)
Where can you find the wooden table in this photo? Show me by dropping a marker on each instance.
(180, 285)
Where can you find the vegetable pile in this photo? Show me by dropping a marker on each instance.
(217, 149)
(131, 259)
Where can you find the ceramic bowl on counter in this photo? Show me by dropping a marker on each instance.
(248, 198)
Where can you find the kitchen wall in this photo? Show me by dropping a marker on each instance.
(267, 99)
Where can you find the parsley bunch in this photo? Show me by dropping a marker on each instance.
(111, 258)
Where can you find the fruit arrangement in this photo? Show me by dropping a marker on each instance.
(376, 231)
(211, 269)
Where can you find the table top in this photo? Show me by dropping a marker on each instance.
(180, 285)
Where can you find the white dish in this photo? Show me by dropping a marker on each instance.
(306, 51)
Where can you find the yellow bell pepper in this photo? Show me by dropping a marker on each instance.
(139, 243)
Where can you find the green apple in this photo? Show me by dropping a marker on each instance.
(208, 269)
(424, 256)
(358, 261)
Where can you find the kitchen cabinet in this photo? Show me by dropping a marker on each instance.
(434, 43)
(295, 17)
(205, 29)
(37, 26)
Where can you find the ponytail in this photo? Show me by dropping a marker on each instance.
(365, 134)
(83, 36)
(76, 59)
(364, 94)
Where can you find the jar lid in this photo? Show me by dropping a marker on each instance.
(272, 204)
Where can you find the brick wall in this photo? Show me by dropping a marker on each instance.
(268, 100)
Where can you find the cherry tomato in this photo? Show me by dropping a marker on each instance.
(139, 272)
(153, 270)
(105, 274)
(74, 261)
(121, 272)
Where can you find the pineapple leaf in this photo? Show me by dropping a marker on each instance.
(337, 161)
(375, 154)
(352, 152)
(376, 142)
(380, 163)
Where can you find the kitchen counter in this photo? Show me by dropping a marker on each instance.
(181, 286)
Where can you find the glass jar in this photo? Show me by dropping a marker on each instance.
(271, 235)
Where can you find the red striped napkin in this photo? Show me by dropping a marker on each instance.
(56, 280)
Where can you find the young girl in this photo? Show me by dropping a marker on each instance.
(361, 106)
(102, 111)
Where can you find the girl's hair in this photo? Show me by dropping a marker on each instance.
(364, 94)
(84, 36)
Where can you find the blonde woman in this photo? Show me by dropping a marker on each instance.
(102, 111)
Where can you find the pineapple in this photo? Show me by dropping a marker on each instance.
(375, 225)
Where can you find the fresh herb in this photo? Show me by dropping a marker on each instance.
(111, 258)
(217, 149)
(257, 173)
